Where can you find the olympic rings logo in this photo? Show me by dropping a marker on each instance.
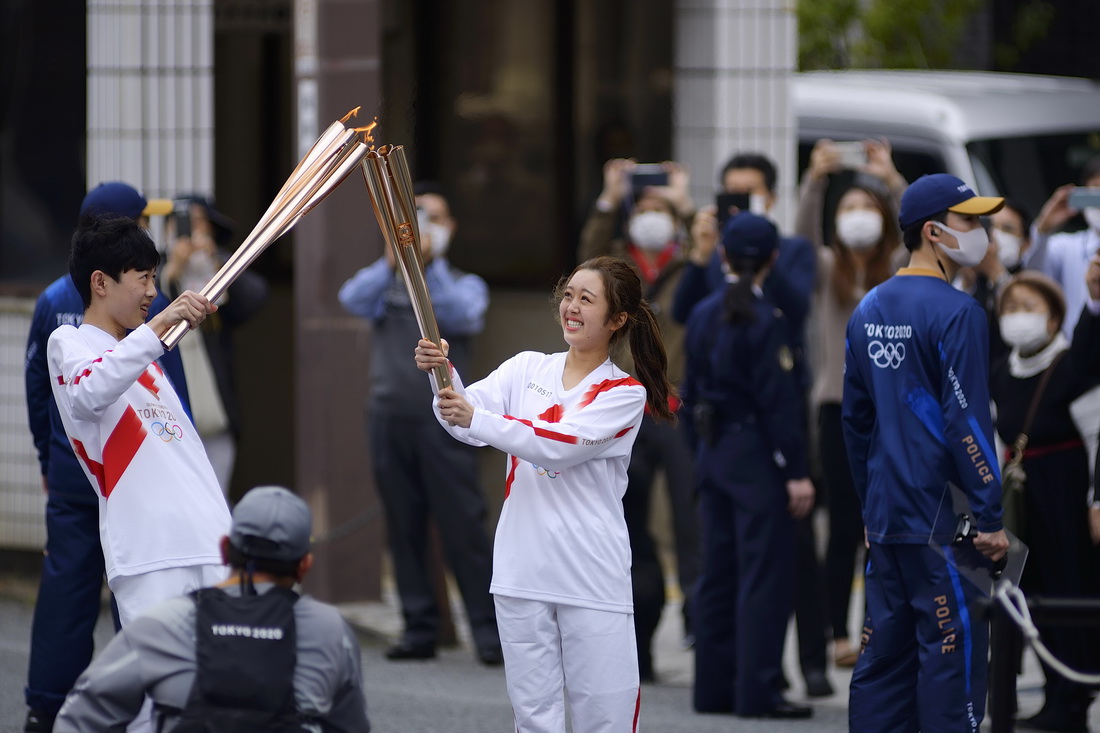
(886, 355)
(546, 472)
(167, 431)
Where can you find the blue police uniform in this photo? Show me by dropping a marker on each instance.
(916, 415)
(72, 572)
(789, 287)
(744, 376)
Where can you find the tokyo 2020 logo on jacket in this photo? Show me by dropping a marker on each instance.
(887, 355)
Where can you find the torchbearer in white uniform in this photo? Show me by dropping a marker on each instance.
(561, 565)
(161, 510)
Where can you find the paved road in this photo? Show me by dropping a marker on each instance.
(454, 694)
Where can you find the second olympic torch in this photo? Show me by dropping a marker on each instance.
(391, 194)
(324, 167)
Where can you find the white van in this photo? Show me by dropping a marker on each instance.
(1015, 135)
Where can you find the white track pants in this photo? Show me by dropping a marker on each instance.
(553, 650)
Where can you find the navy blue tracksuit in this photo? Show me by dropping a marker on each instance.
(744, 376)
(68, 602)
(916, 416)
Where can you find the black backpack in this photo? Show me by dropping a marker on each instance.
(245, 653)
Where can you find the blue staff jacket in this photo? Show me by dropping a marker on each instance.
(916, 408)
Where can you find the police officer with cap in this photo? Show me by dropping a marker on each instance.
(916, 416)
(247, 655)
(742, 407)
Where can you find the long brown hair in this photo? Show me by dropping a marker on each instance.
(879, 264)
(623, 289)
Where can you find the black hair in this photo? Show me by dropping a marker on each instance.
(425, 188)
(623, 288)
(756, 161)
(238, 560)
(1025, 217)
(1091, 170)
(910, 236)
(113, 244)
(738, 299)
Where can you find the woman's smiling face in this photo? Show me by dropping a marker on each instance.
(583, 312)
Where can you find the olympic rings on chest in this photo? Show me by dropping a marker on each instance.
(167, 431)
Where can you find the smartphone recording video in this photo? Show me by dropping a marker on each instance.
(852, 154)
(729, 204)
(181, 215)
(1084, 198)
(647, 174)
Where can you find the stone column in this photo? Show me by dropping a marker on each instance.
(151, 95)
(337, 67)
(733, 62)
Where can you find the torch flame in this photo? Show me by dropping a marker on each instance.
(367, 137)
(350, 114)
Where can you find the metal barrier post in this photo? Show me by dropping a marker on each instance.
(1005, 642)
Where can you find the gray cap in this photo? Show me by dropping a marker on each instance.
(271, 523)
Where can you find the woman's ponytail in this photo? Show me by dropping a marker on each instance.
(650, 361)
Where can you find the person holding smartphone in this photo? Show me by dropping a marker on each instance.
(1065, 256)
(863, 246)
(654, 200)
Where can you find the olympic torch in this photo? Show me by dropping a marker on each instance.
(389, 184)
(325, 165)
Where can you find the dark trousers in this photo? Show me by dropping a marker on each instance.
(68, 604)
(744, 595)
(809, 597)
(924, 666)
(422, 472)
(1062, 563)
(659, 445)
(809, 594)
(845, 519)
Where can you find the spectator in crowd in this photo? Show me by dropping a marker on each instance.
(1065, 256)
(864, 246)
(198, 251)
(654, 244)
(1032, 388)
(422, 474)
(985, 280)
(69, 588)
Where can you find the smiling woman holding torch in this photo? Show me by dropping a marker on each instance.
(561, 564)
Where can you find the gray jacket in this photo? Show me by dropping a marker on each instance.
(155, 656)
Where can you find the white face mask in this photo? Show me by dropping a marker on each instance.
(758, 204)
(1008, 248)
(439, 234)
(441, 239)
(1092, 216)
(1027, 332)
(651, 230)
(859, 229)
(972, 245)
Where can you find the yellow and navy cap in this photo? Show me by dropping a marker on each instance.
(938, 192)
